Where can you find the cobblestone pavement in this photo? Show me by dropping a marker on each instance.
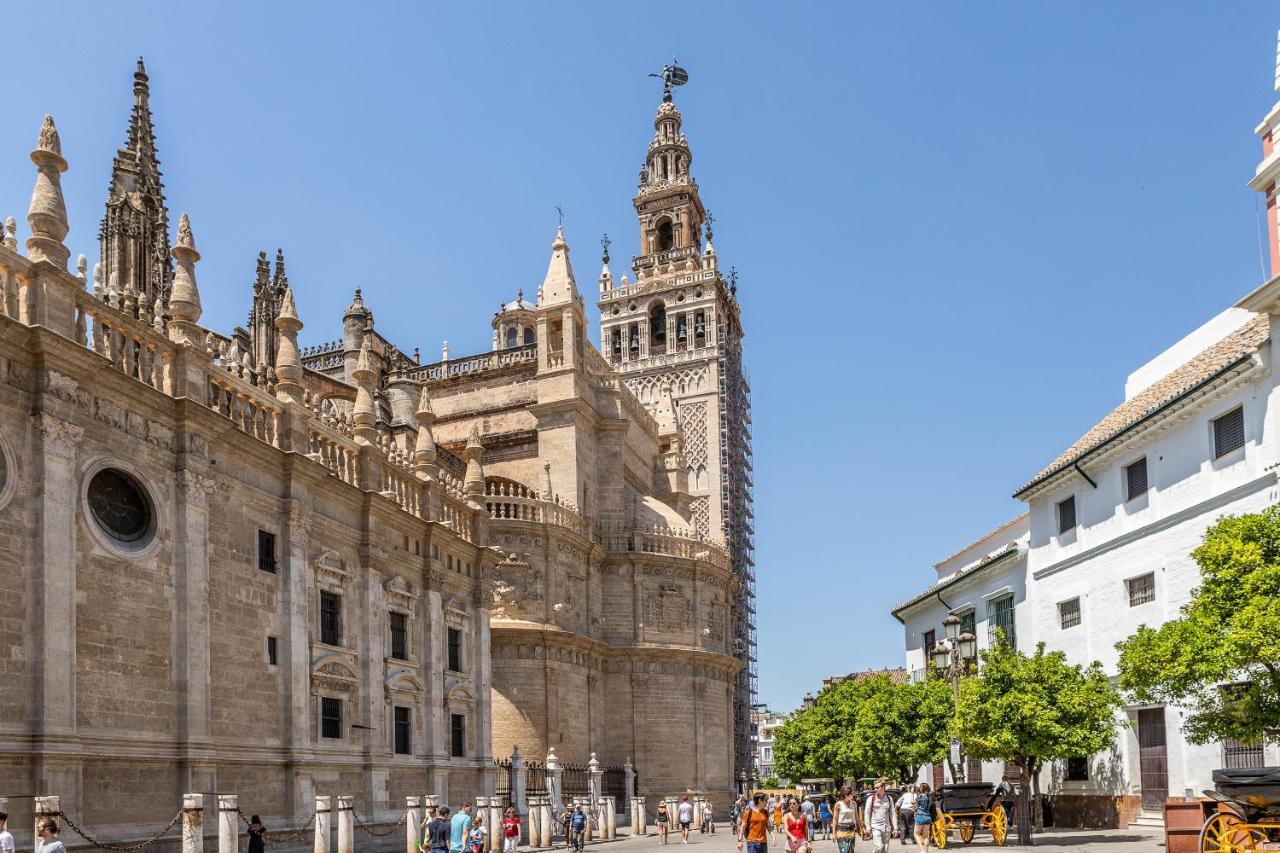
(1061, 841)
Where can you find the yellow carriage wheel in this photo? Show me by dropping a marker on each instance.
(966, 831)
(939, 831)
(1227, 833)
(998, 823)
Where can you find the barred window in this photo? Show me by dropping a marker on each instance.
(457, 735)
(266, 551)
(455, 650)
(1067, 514)
(1069, 612)
(273, 653)
(1228, 433)
(1240, 755)
(330, 717)
(1142, 589)
(330, 619)
(399, 636)
(1135, 478)
(1000, 618)
(404, 731)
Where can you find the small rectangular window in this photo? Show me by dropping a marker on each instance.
(1077, 769)
(330, 619)
(1142, 589)
(930, 640)
(330, 717)
(457, 735)
(273, 655)
(266, 551)
(1067, 514)
(404, 731)
(399, 636)
(1069, 612)
(1228, 433)
(455, 650)
(1135, 479)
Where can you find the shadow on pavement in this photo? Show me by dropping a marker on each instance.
(1074, 840)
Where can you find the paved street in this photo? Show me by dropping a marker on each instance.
(1062, 841)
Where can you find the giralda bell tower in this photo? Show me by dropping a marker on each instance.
(677, 329)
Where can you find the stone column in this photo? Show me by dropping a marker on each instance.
(629, 781)
(295, 653)
(191, 616)
(482, 811)
(553, 779)
(589, 809)
(192, 823)
(412, 823)
(519, 783)
(430, 805)
(696, 801)
(373, 706)
(547, 819)
(595, 780)
(346, 829)
(228, 823)
(639, 817)
(322, 843)
(494, 819)
(44, 807)
(533, 826)
(610, 827)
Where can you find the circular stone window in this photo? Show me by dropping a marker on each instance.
(120, 506)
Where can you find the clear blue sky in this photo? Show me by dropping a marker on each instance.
(958, 225)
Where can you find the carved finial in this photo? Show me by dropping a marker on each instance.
(363, 413)
(82, 268)
(519, 295)
(288, 366)
(417, 359)
(47, 214)
(140, 88)
(262, 273)
(97, 280)
(473, 483)
(711, 221)
(424, 446)
(444, 351)
(11, 234)
(280, 281)
(547, 494)
(185, 239)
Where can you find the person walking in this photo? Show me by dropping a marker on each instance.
(47, 832)
(754, 827)
(806, 806)
(735, 815)
(925, 804)
(684, 811)
(578, 823)
(460, 829)
(664, 820)
(436, 834)
(257, 835)
(797, 827)
(6, 837)
(708, 824)
(476, 837)
(777, 817)
(907, 814)
(510, 831)
(846, 820)
(824, 817)
(880, 818)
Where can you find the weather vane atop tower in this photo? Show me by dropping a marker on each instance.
(605, 243)
(560, 216)
(671, 75)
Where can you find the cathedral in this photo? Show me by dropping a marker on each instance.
(235, 564)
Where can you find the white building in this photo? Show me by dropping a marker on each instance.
(1112, 524)
(765, 723)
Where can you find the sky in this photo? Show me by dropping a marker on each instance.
(958, 226)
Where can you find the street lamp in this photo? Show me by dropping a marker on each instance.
(951, 657)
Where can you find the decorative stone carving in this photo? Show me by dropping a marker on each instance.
(399, 593)
(330, 568)
(668, 609)
(59, 437)
(334, 673)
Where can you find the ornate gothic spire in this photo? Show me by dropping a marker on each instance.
(288, 360)
(184, 299)
(559, 285)
(134, 237)
(473, 484)
(424, 447)
(47, 214)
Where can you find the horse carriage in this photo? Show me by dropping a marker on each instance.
(1248, 812)
(966, 807)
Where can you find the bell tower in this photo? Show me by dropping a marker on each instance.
(675, 337)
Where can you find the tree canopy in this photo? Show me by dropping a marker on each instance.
(1228, 633)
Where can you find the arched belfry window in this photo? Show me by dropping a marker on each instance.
(666, 235)
(513, 337)
(658, 328)
(528, 335)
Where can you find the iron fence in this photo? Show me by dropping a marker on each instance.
(536, 781)
(574, 781)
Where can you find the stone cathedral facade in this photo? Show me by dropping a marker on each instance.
(235, 564)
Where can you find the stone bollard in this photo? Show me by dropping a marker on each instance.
(480, 809)
(346, 829)
(696, 802)
(610, 817)
(530, 824)
(547, 820)
(494, 819)
(430, 806)
(192, 823)
(44, 807)
(412, 823)
(228, 823)
(639, 817)
(322, 843)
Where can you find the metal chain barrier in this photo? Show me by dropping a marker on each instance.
(291, 836)
(118, 848)
(375, 833)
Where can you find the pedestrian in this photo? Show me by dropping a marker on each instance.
(846, 820)
(578, 823)
(684, 811)
(880, 818)
(806, 806)
(925, 804)
(47, 832)
(771, 809)
(257, 835)
(708, 823)
(739, 805)
(777, 817)
(754, 829)
(6, 837)
(797, 829)
(907, 814)
(475, 838)
(460, 829)
(824, 817)
(510, 831)
(436, 832)
(664, 818)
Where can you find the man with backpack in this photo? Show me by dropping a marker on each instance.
(754, 828)
(880, 818)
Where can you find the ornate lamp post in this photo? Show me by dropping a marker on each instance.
(951, 656)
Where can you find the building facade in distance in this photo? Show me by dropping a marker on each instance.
(236, 565)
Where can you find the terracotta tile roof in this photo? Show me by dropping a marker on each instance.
(945, 583)
(1010, 523)
(1241, 343)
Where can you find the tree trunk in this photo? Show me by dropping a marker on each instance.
(1022, 805)
(1037, 805)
